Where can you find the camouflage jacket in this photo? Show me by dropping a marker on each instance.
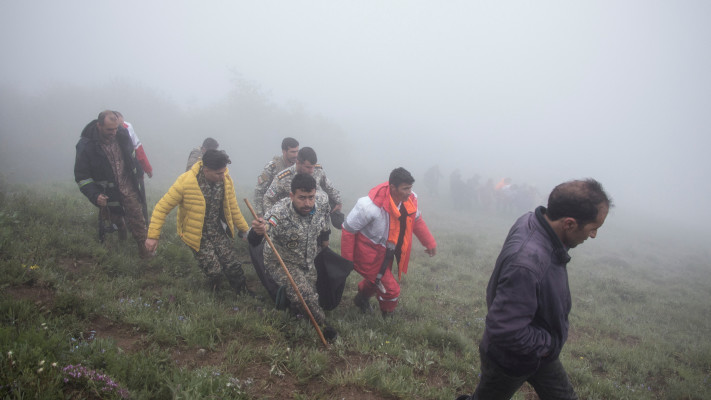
(195, 156)
(265, 179)
(281, 187)
(295, 236)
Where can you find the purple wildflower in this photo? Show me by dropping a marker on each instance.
(82, 375)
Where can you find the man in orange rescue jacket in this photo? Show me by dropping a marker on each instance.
(379, 230)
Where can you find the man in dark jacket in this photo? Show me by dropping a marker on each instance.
(110, 176)
(528, 297)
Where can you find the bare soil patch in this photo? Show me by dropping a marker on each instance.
(41, 296)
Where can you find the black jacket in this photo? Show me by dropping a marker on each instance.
(528, 298)
(94, 174)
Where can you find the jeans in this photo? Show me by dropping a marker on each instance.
(550, 382)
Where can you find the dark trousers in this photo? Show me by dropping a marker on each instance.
(550, 382)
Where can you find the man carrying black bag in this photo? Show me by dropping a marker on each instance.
(332, 271)
(298, 229)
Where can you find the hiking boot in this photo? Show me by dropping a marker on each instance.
(122, 234)
(245, 291)
(235, 277)
(363, 303)
(238, 285)
(387, 315)
(214, 283)
(330, 333)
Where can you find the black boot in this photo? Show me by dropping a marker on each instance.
(362, 302)
(241, 288)
(214, 283)
(236, 279)
(330, 333)
(122, 234)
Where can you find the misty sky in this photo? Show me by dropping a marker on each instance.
(540, 91)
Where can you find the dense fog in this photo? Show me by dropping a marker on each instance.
(540, 92)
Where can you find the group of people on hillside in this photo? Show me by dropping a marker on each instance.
(295, 203)
(504, 197)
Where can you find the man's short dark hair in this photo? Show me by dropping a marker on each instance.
(307, 154)
(106, 113)
(289, 143)
(215, 159)
(304, 182)
(579, 199)
(399, 176)
(210, 144)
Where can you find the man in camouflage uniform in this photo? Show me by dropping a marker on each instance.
(298, 229)
(289, 150)
(196, 153)
(306, 163)
(208, 216)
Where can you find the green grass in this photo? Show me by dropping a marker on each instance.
(639, 324)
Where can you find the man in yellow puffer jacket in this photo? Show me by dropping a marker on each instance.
(207, 217)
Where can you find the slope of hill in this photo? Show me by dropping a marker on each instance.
(155, 330)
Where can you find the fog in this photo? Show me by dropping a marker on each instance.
(541, 92)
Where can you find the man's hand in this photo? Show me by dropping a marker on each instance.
(150, 174)
(101, 200)
(431, 251)
(258, 226)
(151, 245)
(324, 244)
(337, 207)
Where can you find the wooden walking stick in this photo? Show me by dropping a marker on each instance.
(291, 280)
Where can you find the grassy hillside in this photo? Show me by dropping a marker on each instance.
(84, 320)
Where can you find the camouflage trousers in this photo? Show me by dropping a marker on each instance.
(218, 260)
(305, 281)
(133, 219)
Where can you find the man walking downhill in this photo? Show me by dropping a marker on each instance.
(528, 297)
(306, 163)
(289, 151)
(379, 230)
(196, 153)
(208, 215)
(110, 176)
(298, 228)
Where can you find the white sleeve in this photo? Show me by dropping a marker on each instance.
(132, 134)
(360, 216)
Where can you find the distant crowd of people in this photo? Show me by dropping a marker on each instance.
(295, 205)
(503, 197)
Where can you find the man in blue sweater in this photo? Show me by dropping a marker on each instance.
(528, 297)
